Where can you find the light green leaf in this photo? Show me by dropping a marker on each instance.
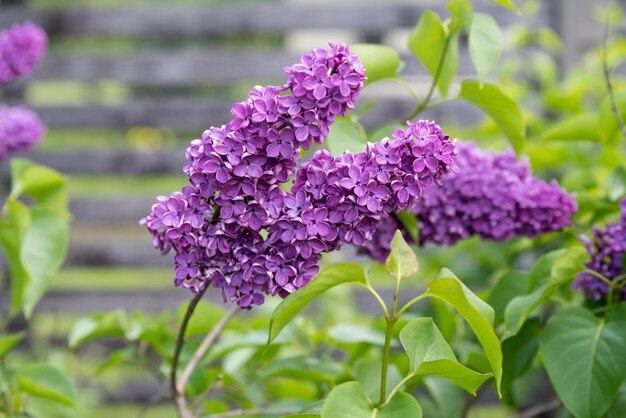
(500, 107)
(449, 399)
(402, 405)
(547, 275)
(430, 354)
(302, 367)
(302, 416)
(583, 127)
(42, 253)
(478, 314)
(325, 280)
(380, 61)
(350, 333)
(8, 341)
(462, 13)
(585, 358)
(111, 324)
(46, 382)
(402, 261)
(429, 42)
(45, 185)
(345, 135)
(347, 400)
(485, 44)
(617, 184)
(509, 5)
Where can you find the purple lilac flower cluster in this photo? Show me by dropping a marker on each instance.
(217, 225)
(495, 196)
(20, 129)
(607, 249)
(21, 49)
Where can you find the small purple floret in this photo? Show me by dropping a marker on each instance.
(20, 129)
(21, 48)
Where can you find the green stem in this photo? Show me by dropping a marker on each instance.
(397, 388)
(433, 84)
(378, 298)
(386, 354)
(411, 303)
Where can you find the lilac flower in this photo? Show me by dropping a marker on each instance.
(607, 249)
(20, 129)
(494, 196)
(21, 49)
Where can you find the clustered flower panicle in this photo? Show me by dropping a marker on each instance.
(20, 129)
(236, 229)
(607, 249)
(494, 196)
(21, 49)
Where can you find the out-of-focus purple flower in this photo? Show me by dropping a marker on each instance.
(607, 249)
(21, 49)
(379, 246)
(493, 195)
(20, 129)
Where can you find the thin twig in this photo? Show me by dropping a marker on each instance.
(154, 401)
(178, 397)
(207, 342)
(607, 73)
(540, 409)
(248, 412)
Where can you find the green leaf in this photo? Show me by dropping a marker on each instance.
(430, 354)
(509, 5)
(500, 107)
(45, 185)
(325, 280)
(302, 367)
(402, 261)
(367, 372)
(345, 135)
(98, 325)
(8, 341)
(429, 43)
(46, 382)
(485, 44)
(449, 399)
(13, 227)
(617, 184)
(510, 285)
(409, 222)
(402, 405)
(478, 314)
(547, 275)
(347, 400)
(585, 358)
(302, 416)
(462, 13)
(42, 253)
(518, 353)
(380, 61)
(583, 127)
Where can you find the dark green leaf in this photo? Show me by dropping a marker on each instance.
(608, 125)
(402, 261)
(585, 358)
(485, 44)
(347, 400)
(510, 285)
(500, 107)
(46, 382)
(325, 280)
(380, 61)
(345, 135)
(367, 372)
(518, 353)
(402, 405)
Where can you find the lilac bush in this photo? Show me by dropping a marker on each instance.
(21, 49)
(494, 196)
(20, 129)
(235, 228)
(606, 250)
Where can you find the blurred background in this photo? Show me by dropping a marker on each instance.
(128, 83)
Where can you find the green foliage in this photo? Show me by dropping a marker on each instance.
(345, 135)
(585, 357)
(500, 107)
(380, 61)
(485, 45)
(402, 261)
(47, 382)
